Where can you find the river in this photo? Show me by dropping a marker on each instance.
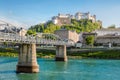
(74, 69)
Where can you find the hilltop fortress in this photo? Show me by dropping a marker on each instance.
(63, 19)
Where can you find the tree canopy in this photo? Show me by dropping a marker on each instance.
(30, 32)
(46, 28)
(112, 26)
(83, 25)
(90, 40)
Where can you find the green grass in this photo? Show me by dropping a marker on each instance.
(107, 54)
(101, 54)
(111, 54)
(9, 52)
(46, 53)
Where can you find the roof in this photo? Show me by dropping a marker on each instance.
(105, 29)
(89, 33)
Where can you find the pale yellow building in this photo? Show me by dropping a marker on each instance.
(22, 32)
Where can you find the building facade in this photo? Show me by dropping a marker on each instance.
(22, 32)
(108, 37)
(108, 40)
(67, 35)
(103, 32)
(63, 19)
(79, 16)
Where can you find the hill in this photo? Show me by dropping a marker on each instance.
(83, 25)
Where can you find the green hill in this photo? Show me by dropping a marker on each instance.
(80, 26)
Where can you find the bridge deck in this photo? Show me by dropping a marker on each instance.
(15, 38)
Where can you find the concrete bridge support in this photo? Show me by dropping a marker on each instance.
(27, 62)
(61, 53)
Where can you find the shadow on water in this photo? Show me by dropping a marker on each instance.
(27, 76)
(7, 72)
(45, 60)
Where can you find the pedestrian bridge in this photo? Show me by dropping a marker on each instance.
(27, 61)
(44, 38)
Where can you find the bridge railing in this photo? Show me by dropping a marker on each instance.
(16, 38)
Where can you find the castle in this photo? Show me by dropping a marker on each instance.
(63, 19)
(79, 16)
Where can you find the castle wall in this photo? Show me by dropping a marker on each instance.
(63, 19)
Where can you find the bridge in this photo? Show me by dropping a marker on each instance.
(27, 62)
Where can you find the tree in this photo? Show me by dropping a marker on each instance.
(112, 26)
(90, 40)
(83, 25)
(6, 44)
(30, 32)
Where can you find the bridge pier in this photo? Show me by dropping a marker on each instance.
(61, 53)
(27, 62)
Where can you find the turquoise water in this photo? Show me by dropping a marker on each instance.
(82, 69)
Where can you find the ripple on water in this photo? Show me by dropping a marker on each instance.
(82, 69)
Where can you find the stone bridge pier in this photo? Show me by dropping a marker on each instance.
(27, 62)
(61, 53)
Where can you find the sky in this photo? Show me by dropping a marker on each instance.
(25, 13)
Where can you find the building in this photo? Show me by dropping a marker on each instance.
(108, 37)
(108, 40)
(67, 35)
(22, 32)
(103, 32)
(14, 30)
(9, 28)
(63, 19)
(79, 16)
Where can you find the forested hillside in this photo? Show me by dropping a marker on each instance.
(80, 26)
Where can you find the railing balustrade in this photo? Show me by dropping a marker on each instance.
(10, 37)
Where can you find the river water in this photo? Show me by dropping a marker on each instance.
(77, 69)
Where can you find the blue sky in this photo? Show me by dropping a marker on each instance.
(30, 12)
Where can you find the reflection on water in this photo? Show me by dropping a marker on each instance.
(26, 76)
(61, 66)
(83, 69)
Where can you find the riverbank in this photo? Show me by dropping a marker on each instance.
(43, 53)
(8, 52)
(103, 54)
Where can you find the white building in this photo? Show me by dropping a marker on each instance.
(62, 19)
(79, 16)
(102, 32)
(66, 18)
